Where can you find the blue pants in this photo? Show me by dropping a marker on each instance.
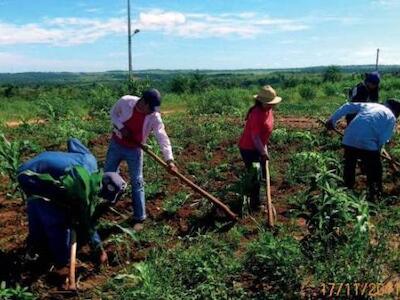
(134, 157)
(48, 228)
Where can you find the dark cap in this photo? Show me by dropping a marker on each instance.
(373, 78)
(112, 186)
(153, 98)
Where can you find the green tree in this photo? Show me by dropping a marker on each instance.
(332, 74)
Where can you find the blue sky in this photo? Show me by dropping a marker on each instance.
(77, 35)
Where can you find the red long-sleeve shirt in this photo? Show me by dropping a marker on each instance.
(260, 123)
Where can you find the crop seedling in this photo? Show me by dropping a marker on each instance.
(17, 293)
(173, 203)
(11, 155)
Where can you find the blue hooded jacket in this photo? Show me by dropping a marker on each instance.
(57, 163)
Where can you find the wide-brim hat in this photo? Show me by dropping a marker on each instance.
(267, 95)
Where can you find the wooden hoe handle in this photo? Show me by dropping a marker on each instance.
(72, 264)
(188, 182)
(269, 206)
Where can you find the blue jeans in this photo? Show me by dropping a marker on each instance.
(134, 157)
(48, 229)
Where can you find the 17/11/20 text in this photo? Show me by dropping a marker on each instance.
(360, 289)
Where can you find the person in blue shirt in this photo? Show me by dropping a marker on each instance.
(372, 127)
(49, 223)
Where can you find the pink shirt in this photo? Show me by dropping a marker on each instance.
(260, 123)
(122, 111)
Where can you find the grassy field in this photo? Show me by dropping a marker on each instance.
(328, 241)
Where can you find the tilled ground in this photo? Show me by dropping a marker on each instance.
(13, 221)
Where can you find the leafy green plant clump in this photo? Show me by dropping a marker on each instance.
(307, 92)
(219, 101)
(274, 263)
(305, 165)
(17, 293)
(172, 204)
(198, 268)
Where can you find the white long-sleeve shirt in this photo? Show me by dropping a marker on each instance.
(372, 127)
(122, 111)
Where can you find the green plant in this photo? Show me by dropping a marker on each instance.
(248, 181)
(136, 87)
(53, 107)
(274, 264)
(11, 155)
(305, 165)
(197, 268)
(307, 92)
(332, 74)
(219, 101)
(283, 136)
(331, 89)
(172, 204)
(101, 100)
(17, 293)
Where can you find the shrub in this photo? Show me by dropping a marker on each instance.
(53, 108)
(101, 100)
(138, 86)
(307, 92)
(330, 90)
(332, 74)
(219, 101)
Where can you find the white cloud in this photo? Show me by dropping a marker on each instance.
(201, 25)
(164, 19)
(22, 63)
(60, 31)
(73, 31)
(386, 3)
(93, 10)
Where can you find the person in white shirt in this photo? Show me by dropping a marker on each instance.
(372, 127)
(134, 119)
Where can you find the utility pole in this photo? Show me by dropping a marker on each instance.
(129, 41)
(377, 59)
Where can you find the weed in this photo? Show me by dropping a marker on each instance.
(172, 204)
(304, 165)
(17, 293)
(274, 265)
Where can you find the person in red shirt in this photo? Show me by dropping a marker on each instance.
(134, 119)
(253, 143)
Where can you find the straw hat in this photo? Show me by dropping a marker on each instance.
(267, 95)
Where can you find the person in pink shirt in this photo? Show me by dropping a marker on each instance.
(253, 143)
(134, 119)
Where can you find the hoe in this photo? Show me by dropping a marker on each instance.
(192, 185)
